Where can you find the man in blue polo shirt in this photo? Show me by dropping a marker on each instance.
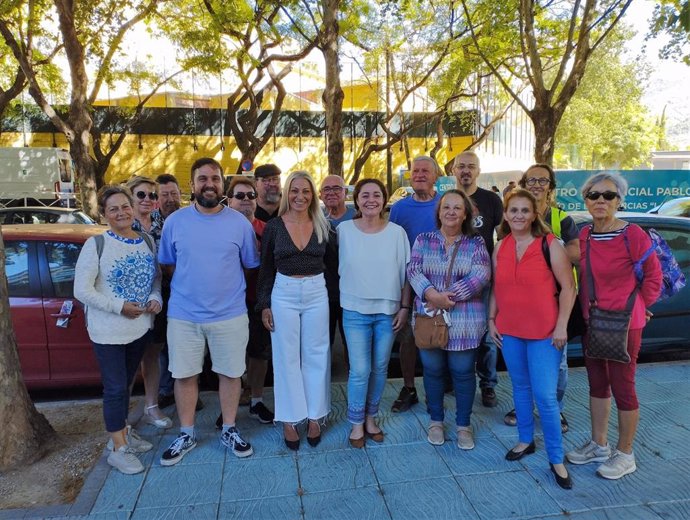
(206, 247)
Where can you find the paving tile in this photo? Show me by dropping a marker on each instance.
(662, 481)
(181, 485)
(676, 510)
(334, 470)
(667, 372)
(610, 513)
(488, 456)
(432, 498)
(668, 443)
(120, 515)
(282, 508)
(359, 504)
(406, 462)
(182, 512)
(402, 428)
(507, 495)
(259, 477)
(648, 392)
(656, 414)
(119, 493)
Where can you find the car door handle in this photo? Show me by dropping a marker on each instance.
(61, 315)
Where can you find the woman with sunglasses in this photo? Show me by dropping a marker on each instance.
(528, 321)
(540, 180)
(147, 219)
(614, 247)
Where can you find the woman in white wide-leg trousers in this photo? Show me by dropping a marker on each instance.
(301, 350)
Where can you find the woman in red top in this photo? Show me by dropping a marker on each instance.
(528, 319)
(614, 245)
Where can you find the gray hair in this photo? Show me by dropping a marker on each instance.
(615, 177)
(437, 169)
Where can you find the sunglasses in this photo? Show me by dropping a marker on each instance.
(241, 195)
(608, 195)
(141, 195)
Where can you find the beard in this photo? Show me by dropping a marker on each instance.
(205, 202)
(273, 197)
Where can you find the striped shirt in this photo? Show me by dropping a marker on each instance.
(471, 272)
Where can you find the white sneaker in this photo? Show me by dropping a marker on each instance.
(134, 441)
(617, 466)
(125, 461)
(589, 452)
(435, 435)
(465, 438)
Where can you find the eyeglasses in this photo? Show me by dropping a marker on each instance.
(240, 195)
(542, 181)
(608, 195)
(141, 195)
(332, 189)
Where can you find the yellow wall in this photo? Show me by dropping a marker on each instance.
(177, 159)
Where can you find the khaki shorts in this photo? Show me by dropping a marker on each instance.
(226, 340)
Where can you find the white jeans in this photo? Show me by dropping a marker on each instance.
(301, 356)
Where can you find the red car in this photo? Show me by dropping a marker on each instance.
(54, 347)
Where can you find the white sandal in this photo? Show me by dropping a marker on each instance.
(163, 423)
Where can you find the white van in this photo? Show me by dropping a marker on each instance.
(36, 176)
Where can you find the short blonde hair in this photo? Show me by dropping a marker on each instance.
(321, 225)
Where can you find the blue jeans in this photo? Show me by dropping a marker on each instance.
(370, 340)
(460, 364)
(166, 385)
(562, 378)
(533, 368)
(118, 364)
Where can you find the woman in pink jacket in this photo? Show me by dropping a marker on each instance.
(615, 246)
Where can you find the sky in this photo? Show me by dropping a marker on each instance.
(669, 79)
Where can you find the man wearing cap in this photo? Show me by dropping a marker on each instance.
(268, 190)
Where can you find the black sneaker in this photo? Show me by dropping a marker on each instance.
(406, 398)
(564, 424)
(179, 448)
(230, 438)
(219, 422)
(489, 397)
(261, 413)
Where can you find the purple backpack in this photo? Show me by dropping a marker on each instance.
(673, 278)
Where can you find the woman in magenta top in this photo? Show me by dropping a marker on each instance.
(528, 320)
(614, 247)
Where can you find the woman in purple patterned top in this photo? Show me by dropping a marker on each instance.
(462, 299)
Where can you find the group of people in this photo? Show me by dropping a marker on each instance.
(273, 275)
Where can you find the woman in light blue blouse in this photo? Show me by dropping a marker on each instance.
(373, 255)
(461, 298)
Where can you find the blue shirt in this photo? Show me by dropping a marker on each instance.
(415, 217)
(210, 253)
(348, 215)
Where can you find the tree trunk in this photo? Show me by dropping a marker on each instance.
(545, 125)
(333, 93)
(25, 433)
(86, 175)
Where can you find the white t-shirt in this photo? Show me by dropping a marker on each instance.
(372, 268)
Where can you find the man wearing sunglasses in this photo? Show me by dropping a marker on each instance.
(268, 190)
(488, 215)
(242, 197)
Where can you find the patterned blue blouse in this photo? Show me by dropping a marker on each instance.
(471, 272)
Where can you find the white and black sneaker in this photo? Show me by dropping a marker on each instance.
(179, 448)
(230, 438)
(261, 413)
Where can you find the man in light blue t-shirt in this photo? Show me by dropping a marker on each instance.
(415, 214)
(205, 248)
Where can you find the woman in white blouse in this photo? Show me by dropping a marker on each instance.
(373, 256)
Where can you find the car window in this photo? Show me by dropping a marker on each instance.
(679, 208)
(17, 268)
(62, 258)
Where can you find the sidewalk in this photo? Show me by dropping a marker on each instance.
(405, 477)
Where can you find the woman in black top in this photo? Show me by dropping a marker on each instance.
(292, 297)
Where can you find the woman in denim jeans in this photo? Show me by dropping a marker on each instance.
(461, 298)
(373, 255)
